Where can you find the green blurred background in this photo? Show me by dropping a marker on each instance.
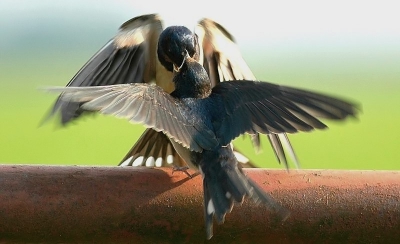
(351, 50)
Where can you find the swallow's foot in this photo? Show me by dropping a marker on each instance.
(182, 169)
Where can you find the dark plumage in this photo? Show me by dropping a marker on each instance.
(201, 121)
(134, 55)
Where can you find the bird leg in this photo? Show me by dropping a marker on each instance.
(182, 169)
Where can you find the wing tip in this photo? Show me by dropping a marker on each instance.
(142, 18)
(206, 23)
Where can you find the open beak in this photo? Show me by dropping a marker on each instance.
(176, 68)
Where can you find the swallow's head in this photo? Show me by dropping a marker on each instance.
(191, 80)
(175, 44)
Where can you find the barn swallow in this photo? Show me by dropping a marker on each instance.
(133, 56)
(201, 121)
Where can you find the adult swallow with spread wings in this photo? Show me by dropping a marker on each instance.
(132, 56)
(201, 121)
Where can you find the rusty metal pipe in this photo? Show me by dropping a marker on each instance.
(136, 205)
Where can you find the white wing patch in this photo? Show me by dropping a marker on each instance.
(138, 161)
(150, 162)
(126, 162)
(159, 162)
(170, 159)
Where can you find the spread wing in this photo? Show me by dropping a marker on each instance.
(220, 55)
(261, 107)
(146, 104)
(130, 57)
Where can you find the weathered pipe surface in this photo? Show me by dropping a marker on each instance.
(142, 205)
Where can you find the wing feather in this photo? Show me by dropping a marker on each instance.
(221, 56)
(129, 57)
(141, 100)
(273, 109)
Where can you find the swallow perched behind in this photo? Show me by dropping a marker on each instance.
(134, 55)
(201, 121)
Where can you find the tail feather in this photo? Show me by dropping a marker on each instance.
(156, 145)
(224, 184)
(235, 187)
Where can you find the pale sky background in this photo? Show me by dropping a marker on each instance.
(272, 22)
